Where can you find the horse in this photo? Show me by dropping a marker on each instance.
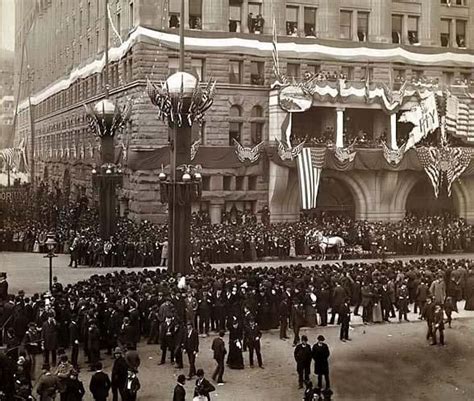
(325, 242)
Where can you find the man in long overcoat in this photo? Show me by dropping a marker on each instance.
(321, 364)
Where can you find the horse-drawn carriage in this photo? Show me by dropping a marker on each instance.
(316, 240)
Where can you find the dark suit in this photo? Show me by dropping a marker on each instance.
(321, 365)
(203, 387)
(99, 386)
(119, 377)
(179, 393)
(49, 333)
(218, 346)
(74, 339)
(191, 346)
(303, 356)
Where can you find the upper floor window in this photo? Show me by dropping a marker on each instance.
(173, 65)
(257, 76)
(310, 21)
(445, 32)
(454, 2)
(292, 21)
(235, 72)
(195, 14)
(461, 33)
(131, 15)
(346, 25)
(362, 26)
(255, 19)
(197, 67)
(347, 72)
(235, 124)
(293, 70)
(413, 30)
(174, 13)
(397, 24)
(235, 13)
(256, 125)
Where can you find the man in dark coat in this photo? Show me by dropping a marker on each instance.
(345, 316)
(322, 304)
(119, 374)
(191, 346)
(321, 365)
(438, 325)
(167, 339)
(203, 386)
(252, 339)
(74, 340)
(338, 296)
(298, 321)
(3, 287)
(303, 357)
(49, 333)
(93, 344)
(283, 316)
(428, 315)
(218, 347)
(100, 384)
(179, 393)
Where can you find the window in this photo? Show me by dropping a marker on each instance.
(292, 21)
(399, 75)
(346, 25)
(252, 183)
(347, 72)
(80, 21)
(235, 12)
(206, 183)
(461, 33)
(257, 122)
(257, 76)
(227, 184)
(448, 77)
(89, 13)
(173, 65)
(397, 24)
(310, 21)
(445, 32)
(235, 72)
(255, 20)
(413, 30)
(195, 14)
(235, 125)
(466, 77)
(197, 68)
(119, 24)
(293, 70)
(239, 183)
(362, 26)
(418, 74)
(131, 15)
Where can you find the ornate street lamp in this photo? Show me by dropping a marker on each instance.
(51, 246)
(181, 102)
(106, 118)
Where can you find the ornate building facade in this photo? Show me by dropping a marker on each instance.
(370, 45)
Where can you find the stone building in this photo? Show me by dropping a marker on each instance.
(381, 43)
(6, 98)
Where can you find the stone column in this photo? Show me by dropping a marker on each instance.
(244, 17)
(405, 29)
(215, 213)
(276, 117)
(393, 131)
(327, 19)
(380, 21)
(301, 21)
(186, 14)
(355, 37)
(452, 33)
(429, 23)
(340, 128)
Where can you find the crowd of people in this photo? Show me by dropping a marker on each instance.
(243, 236)
(114, 312)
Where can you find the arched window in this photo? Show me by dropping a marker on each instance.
(235, 124)
(257, 122)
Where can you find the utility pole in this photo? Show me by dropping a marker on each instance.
(106, 48)
(32, 131)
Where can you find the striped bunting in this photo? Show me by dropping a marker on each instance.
(310, 163)
(429, 160)
(459, 118)
(458, 160)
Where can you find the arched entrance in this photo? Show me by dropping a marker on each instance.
(422, 202)
(334, 198)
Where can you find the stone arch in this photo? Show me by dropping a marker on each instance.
(356, 187)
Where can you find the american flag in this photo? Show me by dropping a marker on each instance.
(458, 160)
(460, 118)
(310, 163)
(8, 156)
(276, 61)
(429, 160)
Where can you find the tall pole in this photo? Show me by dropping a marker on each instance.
(181, 38)
(50, 256)
(32, 131)
(106, 48)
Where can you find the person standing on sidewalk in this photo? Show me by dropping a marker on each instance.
(321, 364)
(218, 346)
(303, 356)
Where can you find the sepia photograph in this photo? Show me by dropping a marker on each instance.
(236, 200)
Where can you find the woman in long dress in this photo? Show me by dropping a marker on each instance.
(235, 360)
(377, 309)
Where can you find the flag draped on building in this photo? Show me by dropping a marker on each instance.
(459, 118)
(310, 163)
(445, 162)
